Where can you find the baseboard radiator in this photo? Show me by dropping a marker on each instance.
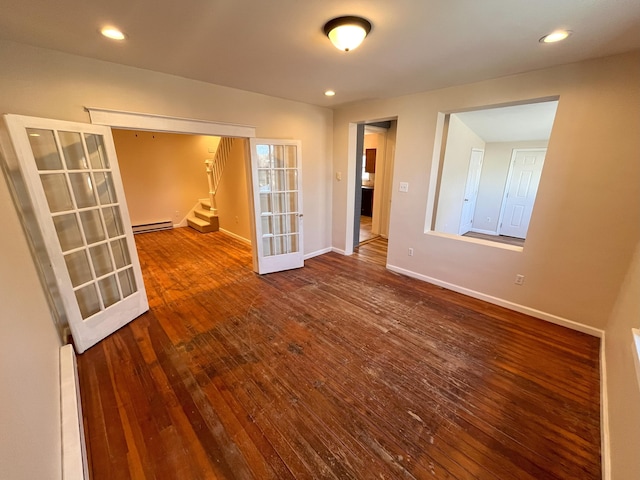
(152, 227)
(74, 452)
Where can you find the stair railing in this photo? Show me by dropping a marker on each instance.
(215, 167)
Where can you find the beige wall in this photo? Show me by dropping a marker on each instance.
(622, 381)
(163, 173)
(455, 168)
(29, 362)
(233, 197)
(51, 84)
(590, 175)
(495, 169)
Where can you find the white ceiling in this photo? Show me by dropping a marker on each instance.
(512, 124)
(277, 47)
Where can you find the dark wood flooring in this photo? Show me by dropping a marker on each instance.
(339, 370)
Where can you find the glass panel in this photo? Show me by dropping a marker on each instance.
(267, 249)
(285, 202)
(106, 190)
(113, 221)
(278, 225)
(120, 252)
(78, 267)
(101, 259)
(88, 301)
(291, 223)
(68, 231)
(95, 147)
(279, 182)
(73, 151)
(267, 227)
(109, 290)
(45, 151)
(265, 203)
(290, 157)
(279, 245)
(292, 180)
(92, 226)
(264, 180)
(293, 243)
(264, 158)
(127, 282)
(83, 190)
(57, 192)
(277, 155)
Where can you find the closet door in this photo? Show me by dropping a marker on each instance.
(71, 177)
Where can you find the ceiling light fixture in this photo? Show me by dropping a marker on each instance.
(556, 36)
(346, 33)
(112, 33)
(329, 93)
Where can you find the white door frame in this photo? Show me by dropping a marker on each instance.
(514, 152)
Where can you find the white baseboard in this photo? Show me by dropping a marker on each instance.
(236, 236)
(486, 232)
(307, 256)
(339, 251)
(74, 452)
(549, 317)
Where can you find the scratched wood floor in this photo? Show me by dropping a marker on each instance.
(339, 370)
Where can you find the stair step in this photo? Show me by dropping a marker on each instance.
(207, 215)
(202, 225)
(205, 204)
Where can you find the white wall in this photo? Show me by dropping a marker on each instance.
(591, 175)
(455, 170)
(50, 84)
(495, 169)
(622, 381)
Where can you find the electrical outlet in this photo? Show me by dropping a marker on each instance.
(404, 186)
(411, 252)
(519, 279)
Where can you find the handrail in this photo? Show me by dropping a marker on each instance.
(215, 168)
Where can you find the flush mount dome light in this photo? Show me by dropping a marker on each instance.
(346, 33)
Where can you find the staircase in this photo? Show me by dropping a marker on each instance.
(203, 219)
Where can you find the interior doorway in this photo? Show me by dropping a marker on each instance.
(374, 165)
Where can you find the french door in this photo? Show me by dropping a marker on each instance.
(277, 195)
(71, 177)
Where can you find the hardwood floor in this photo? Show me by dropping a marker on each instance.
(338, 370)
(374, 251)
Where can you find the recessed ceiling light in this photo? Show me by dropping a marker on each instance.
(329, 93)
(556, 36)
(112, 33)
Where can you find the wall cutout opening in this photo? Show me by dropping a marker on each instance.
(489, 171)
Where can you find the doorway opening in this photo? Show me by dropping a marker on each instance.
(375, 147)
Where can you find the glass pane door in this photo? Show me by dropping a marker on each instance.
(277, 202)
(74, 184)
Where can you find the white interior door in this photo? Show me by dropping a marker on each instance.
(471, 190)
(521, 190)
(71, 177)
(277, 196)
